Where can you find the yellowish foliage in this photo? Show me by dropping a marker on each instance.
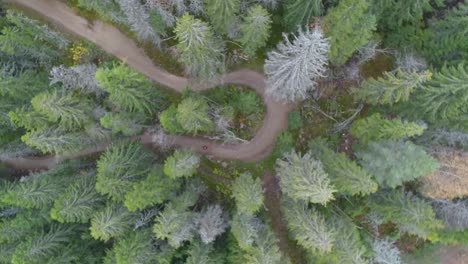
(77, 52)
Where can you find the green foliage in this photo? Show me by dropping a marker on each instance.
(70, 112)
(309, 227)
(375, 127)
(128, 89)
(79, 201)
(294, 120)
(246, 102)
(411, 214)
(349, 27)
(120, 167)
(299, 13)
(200, 253)
(44, 246)
(23, 224)
(169, 122)
(200, 50)
(392, 14)
(265, 249)
(128, 124)
(245, 229)
(255, 29)
(442, 101)
(222, 13)
(302, 178)
(54, 140)
(345, 174)
(137, 247)
(175, 225)
(31, 120)
(111, 222)
(392, 88)
(192, 115)
(106, 9)
(25, 37)
(182, 163)
(393, 163)
(248, 193)
(446, 40)
(155, 189)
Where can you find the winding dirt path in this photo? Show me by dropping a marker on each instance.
(111, 40)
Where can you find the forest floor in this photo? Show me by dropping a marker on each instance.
(111, 40)
(454, 254)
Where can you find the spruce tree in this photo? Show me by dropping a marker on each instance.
(247, 193)
(111, 222)
(299, 13)
(393, 163)
(127, 124)
(376, 127)
(409, 213)
(345, 174)
(222, 13)
(255, 30)
(137, 247)
(265, 249)
(201, 52)
(245, 229)
(392, 88)
(182, 163)
(193, 117)
(309, 227)
(302, 178)
(120, 167)
(349, 26)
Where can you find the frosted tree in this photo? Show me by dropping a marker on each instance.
(265, 249)
(248, 193)
(293, 69)
(385, 252)
(138, 20)
(303, 178)
(196, 7)
(245, 229)
(308, 227)
(183, 163)
(200, 50)
(111, 222)
(210, 223)
(392, 88)
(453, 213)
(255, 30)
(80, 77)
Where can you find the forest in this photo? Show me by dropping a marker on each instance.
(233, 131)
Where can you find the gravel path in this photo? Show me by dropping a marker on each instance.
(116, 43)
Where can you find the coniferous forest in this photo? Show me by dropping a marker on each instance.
(233, 131)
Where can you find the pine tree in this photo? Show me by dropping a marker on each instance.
(168, 120)
(293, 69)
(345, 174)
(222, 13)
(29, 119)
(201, 52)
(175, 225)
(54, 140)
(248, 193)
(376, 127)
(303, 178)
(349, 26)
(127, 124)
(70, 112)
(182, 163)
(308, 227)
(255, 30)
(192, 115)
(79, 201)
(120, 167)
(265, 249)
(111, 222)
(128, 89)
(299, 13)
(25, 223)
(442, 101)
(385, 251)
(155, 189)
(393, 163)
(409, 213)
(210, 223)
(392, 88)
(202, 254)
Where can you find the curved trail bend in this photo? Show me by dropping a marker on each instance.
(111, 40)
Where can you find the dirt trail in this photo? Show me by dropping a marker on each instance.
(116, 43)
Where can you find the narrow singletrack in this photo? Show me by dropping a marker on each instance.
(111, 40)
